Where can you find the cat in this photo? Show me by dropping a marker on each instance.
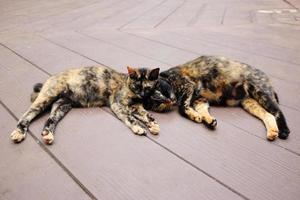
(218, 81)
(92, 86)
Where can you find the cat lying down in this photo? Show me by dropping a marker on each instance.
(93, 86)
(218, 81)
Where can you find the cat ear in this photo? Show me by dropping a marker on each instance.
(132, 73)
(154, 74)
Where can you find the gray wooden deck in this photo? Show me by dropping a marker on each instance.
(95, 156)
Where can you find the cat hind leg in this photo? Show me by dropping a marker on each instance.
(59, 109)
(37, 107)
(254, 108)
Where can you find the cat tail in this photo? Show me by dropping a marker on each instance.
(36, 90)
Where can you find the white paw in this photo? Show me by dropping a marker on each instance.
(154, 128)
(17, 136)
(138, 130)
(272, 134)
(48, 137)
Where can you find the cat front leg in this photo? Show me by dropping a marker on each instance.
(201, 106)
(59, 109)
(123, 113)
(185, 108)
(143, 115)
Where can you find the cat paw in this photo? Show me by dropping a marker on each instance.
(17, 136)
(154, 128)
(272, 134)
(284, 134)
(198, 119)
(138, 130)
(47, 137)
(212, 124)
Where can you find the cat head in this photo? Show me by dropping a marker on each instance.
(142, 81)
(162, 99)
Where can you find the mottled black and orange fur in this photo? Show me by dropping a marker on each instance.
(93, 86)
(220, 81)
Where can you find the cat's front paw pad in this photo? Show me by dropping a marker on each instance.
(138, 130)
(48, 137)
(154, 128)
(17, 136)
(272, 134)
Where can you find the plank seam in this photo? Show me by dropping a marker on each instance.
(223, 16)
(199, 169)
(289, 3)
(197, 15)
(294, 152)
(132, 20)
(22, 57)
(58, 162)
(120, 47)
(171, 13)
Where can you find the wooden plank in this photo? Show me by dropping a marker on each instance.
(46, 58)
(233, 156)
(248, 45)
(107, 158)
(100, 12)
(27, 171)
(238, 15)
(262, 34)
(157, 16)
(37, 12)
(212, 15)
(128, 15)
(186, 15)
(99, 50)
(81, 16)
(172, 56)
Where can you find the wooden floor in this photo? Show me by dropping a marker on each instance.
(94, 155)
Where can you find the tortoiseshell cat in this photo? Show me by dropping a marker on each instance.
(219, 81)
(92, 86)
